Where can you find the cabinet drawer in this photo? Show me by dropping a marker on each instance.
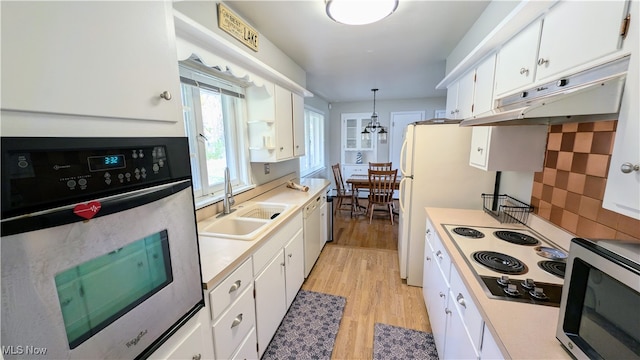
(275, 242)
(466, 308)
(247, 349)
(234, 325)
(230, 289)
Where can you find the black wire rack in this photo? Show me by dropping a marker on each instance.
(505, 208)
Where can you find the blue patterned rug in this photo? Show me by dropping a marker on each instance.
(309, 329)
(393, 342)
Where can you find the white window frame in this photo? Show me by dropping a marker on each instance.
(236, 143)
(314, 146)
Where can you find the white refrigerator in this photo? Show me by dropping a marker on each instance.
(434, 163)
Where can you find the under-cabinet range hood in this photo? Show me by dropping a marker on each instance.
(591, 95)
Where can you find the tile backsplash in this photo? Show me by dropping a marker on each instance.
(569, 190)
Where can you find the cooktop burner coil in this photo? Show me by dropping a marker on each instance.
(500, 262)
(516, 238)
(468, 232)
(556, 268)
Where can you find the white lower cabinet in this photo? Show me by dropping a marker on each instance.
(247, 349)
(191, 341)
(270, 300)
(457, 345)
(233, 325)
(279, 268)
(458, 328)
(232, 311)
(490, 349)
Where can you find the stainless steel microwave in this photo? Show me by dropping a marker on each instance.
(600, 305)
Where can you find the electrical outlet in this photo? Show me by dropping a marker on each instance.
(267, 169)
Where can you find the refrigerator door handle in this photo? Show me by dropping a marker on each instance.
(401, 195)
(403, 149)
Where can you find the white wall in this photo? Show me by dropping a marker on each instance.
(206, 13)
(495, 12)
(384, 109)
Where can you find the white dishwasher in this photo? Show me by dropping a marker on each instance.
(313, 240)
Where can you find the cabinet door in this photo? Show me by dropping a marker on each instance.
(483, 92)
(479, 146)
(574, 33)
(622, 193)
(95, 58)
(490, 349)
(465, 95)
(191, 341)
(437, 313)
(270, 300)
(458, 344)
(452, 101)
(294, 266)
(516, 61)
(299, 140)
(284, 124)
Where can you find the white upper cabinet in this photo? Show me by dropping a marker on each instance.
(573, 35)
(299, 147)
(483, 89)
(508, 148)
(92, 58)
(577, 32)
(276, 123)
(460, 97)
(516, 61)
(622, 193)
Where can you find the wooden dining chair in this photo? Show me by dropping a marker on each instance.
(342, 192)
(386, 166)
(381, 186)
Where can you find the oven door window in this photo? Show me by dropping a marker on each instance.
(95, 293)
(607, 321)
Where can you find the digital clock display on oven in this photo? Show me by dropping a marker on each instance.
(106, 162)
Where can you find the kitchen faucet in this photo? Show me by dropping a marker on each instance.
(228, 199)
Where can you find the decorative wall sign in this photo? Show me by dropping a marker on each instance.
(236, 27)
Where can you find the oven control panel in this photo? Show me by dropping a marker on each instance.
(83, 170)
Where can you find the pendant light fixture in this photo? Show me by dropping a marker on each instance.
(374, 125)
(360, 12)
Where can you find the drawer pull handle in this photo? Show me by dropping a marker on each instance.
(235, 286)
(447, 311)
(236, 321)
(441, 294)
(428, 258)
(460, 300)
(439, 254)
(197, 357)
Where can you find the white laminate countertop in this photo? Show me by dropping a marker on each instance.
(522, 331)
(219, 256)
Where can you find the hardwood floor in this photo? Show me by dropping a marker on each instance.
(361, 264)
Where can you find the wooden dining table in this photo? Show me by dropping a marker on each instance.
(361, 182)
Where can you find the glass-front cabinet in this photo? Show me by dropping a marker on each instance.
(356, 152)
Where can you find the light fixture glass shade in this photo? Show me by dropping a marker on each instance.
(382, 135)
(360, 12)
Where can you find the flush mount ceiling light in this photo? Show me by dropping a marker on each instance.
(360, 12)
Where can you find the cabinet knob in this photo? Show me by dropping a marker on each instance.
(543, 61)
(236, 321)
(453, 112)
(629, 167)
(439, 254)
(282, 264)
(460, 300)
(447, 311)
(197, 357)
(281, 148)
(428, 258)
(235, 286)
(524, 71)
(441, 294)
(166, 95)
(290, 255)
(480, 149)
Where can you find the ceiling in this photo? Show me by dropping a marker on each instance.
(403, 55)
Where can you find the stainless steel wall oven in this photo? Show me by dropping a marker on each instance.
(99, 246)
